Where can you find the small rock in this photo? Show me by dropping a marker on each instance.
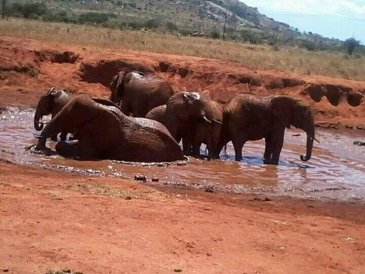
(140, 177)
(155, 179)
(209, 189)
(177, 270)
(359, 143)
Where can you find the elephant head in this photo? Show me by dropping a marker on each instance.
(289, 111)
(50, 103)
(189, 105)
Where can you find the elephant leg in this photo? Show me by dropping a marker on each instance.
(54, 137)
(210, 148)
(221, 144)
(238, 145)
(196, 149)
(63, 136)
(268, 150)
(68, 150)
(187, 146)
(277, 147)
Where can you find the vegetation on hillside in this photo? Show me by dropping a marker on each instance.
(228, 19)
(255, 57)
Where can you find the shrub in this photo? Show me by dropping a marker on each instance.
(171, 26)
(95, 17)
(251, 36)
(29, 10)
(151, 24)
(215, 34)
(307, 44)
(350, 45)
(135, 25)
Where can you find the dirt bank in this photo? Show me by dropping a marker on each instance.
(28, 68)
(52, 220)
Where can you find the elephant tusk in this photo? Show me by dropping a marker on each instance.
(218, 122)
(206, 119)
(315, 139)
(38, 136)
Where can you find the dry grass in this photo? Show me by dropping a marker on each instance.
(251, 56)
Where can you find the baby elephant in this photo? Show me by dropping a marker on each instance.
(104, 132)
(51, 103)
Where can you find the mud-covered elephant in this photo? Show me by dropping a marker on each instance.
(247, 118)
(51, 103)
(209, 133)
(104, 132)
(138, 93)
(183, 114)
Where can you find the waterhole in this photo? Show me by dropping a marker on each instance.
(335, 171)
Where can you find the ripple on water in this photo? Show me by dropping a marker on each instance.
(336, 169)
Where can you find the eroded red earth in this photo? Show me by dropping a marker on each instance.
(52, 220)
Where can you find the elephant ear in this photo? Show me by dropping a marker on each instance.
(191, 97)
(281, 109)
(117, 86)
(52, 91)
(302, 113)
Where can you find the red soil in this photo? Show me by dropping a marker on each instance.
(52, 221)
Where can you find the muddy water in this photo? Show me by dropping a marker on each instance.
(335, 171)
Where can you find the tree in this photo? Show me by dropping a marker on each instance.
(3, 8)
(351, 44)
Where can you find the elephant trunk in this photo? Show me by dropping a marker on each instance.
(310, 139)
(37, 124)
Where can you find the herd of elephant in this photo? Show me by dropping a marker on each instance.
(145, 119)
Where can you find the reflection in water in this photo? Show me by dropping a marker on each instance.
(336, 169)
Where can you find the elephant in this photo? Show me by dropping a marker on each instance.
(209, 133)
(183, 114)
(247, 118)
(51, 103)
(138, 93)
(104, 132)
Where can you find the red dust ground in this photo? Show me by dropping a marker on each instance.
(51, 220)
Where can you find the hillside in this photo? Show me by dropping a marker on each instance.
(228, 19)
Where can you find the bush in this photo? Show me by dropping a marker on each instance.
(171, 26)
(151, 24)
(61, 16)
(29, 10)
(135, 25)
(251, 36)
(350, 45)
(215, 34)
(308, 45)
(95, 17)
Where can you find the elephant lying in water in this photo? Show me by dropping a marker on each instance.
(104, 132)
(247, 118)
(139, 93)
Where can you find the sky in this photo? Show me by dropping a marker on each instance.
(340, 19)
